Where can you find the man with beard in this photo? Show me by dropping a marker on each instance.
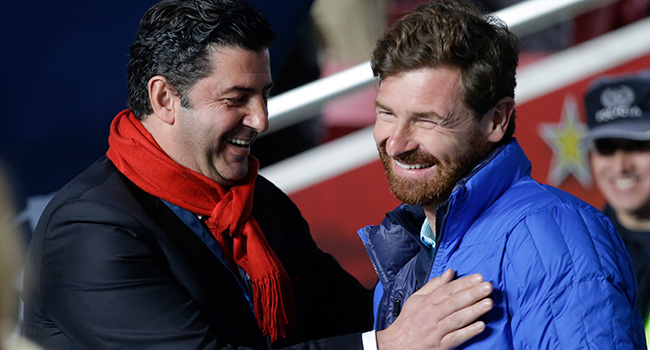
(444, 130)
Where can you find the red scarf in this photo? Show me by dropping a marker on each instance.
(137, 155)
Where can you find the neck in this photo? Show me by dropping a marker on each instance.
(430, 212)
(634, 221)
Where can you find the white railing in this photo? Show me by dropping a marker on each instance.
(303, 102)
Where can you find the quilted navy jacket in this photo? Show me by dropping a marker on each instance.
(561, 275)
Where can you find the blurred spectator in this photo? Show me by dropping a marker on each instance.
(618, 138)
(347, 31)
(10, 264)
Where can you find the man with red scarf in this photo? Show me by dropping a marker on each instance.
(173, 241)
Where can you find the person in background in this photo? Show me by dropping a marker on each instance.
(11, 259)
(618, 139)
(173, 241)
(445, 128)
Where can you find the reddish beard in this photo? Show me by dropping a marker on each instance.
(436, 188)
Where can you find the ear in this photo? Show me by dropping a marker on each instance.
(496, 120)
(164, 101)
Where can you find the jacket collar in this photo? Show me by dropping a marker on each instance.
(485, 183)
(396, 240)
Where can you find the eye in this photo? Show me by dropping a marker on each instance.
(607, 147)
(426, 123)
(235, 101)
(385, 115)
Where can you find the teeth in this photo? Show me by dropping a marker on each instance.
(239, 142)
(412, 166)
(625, 184)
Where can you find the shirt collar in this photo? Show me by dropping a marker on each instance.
(426, 235)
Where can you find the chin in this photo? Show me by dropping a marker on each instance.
(629, 206)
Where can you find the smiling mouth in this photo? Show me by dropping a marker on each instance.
(239, 142)
(413, 166)
(625, 184)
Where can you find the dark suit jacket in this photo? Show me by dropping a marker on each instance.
(110, 266)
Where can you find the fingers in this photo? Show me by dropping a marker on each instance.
(441, 288)
(420, 325)
(462, 335)
(464, 308)
(457, 303)
(441, 315)
(463, 316)
(436, 282)
(460, 300)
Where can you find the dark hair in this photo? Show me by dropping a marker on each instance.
(176, 38)
(455, 34)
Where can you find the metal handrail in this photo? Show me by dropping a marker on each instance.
(303, 102)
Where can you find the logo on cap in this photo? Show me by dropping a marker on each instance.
(617, 103)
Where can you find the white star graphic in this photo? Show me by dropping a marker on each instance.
(564, 139)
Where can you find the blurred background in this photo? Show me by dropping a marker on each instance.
(64, 77)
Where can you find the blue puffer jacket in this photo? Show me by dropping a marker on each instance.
(561, 275)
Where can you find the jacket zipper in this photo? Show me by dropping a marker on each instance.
(397, 307)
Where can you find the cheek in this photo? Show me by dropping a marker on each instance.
(381, 132)
(599, 164)
(643, 164)
(600, 177)
(441, 146)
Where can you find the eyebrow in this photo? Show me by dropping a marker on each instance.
(382, 106)
(428, 114)
(237, 88)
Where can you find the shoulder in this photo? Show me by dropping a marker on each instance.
(99, 196)
(276, 213)
(265, 189)
(565, 265)
(270, 201)
(544, 210)
(565, 241)
(559, 223)
(548, 229)
(532, 206)
(267, 192)
(101, 182)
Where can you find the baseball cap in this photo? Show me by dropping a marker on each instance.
(618, 107)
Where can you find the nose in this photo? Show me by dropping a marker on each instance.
(257, 116)
(400, 140)
(622, 161)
